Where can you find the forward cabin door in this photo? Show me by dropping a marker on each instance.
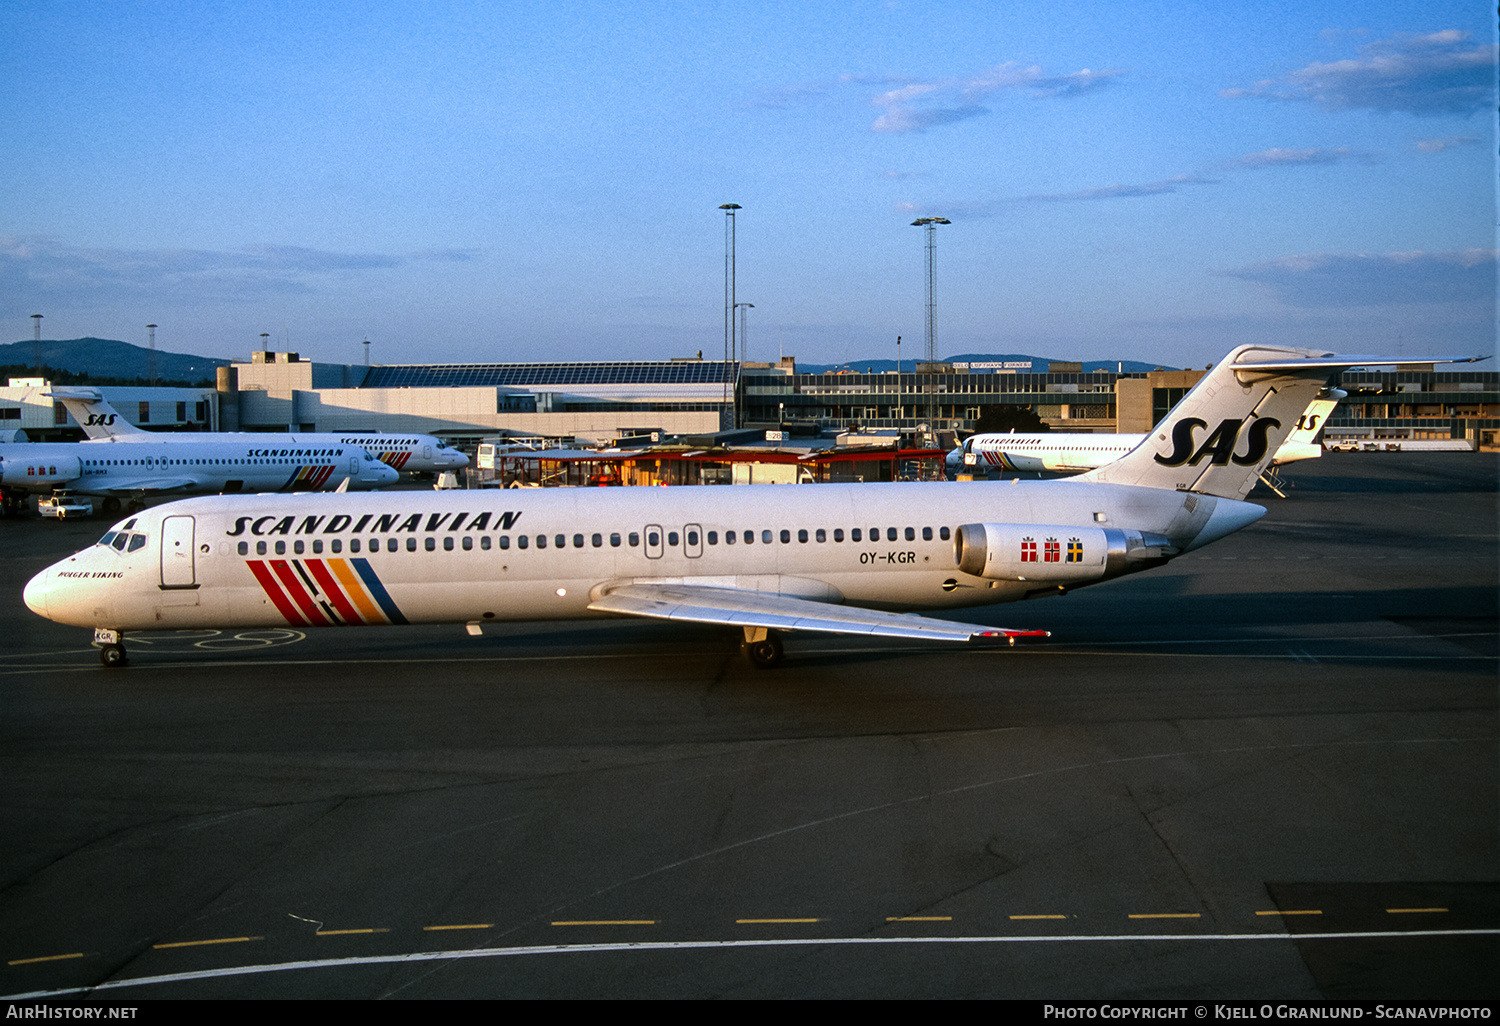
(177, 553)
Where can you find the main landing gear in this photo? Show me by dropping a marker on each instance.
(762, 647)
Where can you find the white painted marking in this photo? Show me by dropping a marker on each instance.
(581, 949)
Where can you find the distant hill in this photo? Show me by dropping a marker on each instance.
(107, 358)
(1039, 364)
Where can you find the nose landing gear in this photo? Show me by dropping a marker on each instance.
(111, 647)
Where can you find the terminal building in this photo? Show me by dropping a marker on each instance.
(595, 403)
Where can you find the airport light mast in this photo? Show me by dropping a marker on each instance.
(929, 226)
(743, 351)
(729, 304)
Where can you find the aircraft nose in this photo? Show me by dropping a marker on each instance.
(37, 591)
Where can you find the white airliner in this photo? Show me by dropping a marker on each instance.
(1067, 452)
(155, 466)
(762, 559)
(100, 420)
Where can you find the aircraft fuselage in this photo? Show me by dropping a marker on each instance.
(491, 555)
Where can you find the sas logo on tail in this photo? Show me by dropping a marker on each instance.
(1218, 447)
(96, 419)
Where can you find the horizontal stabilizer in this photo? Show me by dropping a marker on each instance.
(737, 608)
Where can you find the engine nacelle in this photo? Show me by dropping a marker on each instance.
(38, 474)
(1055, 552)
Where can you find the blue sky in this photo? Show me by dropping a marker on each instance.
(505, 181)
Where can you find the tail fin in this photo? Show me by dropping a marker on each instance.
(1224, 432)
(97, 418)
(1299, 444)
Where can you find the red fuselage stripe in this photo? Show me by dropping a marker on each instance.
(274, 593)
(333, 591)
(294, 588)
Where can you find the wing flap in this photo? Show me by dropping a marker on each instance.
(736, 608)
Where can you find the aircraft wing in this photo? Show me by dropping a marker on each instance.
(147, 485)
(734, 607)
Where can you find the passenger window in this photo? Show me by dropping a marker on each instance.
(838, 534)
(692, 539)
(577, 541)
(243, 548)
(297, 547)
(353, 545)
(927, 534)
(317, 547)
(890, 534)
(484, 542)
(430, 543)
(802, 535)
(943, 533)
(765, 537)
(541, 541)
(728, 537)
(597, 541)
(260, 548)
(392, 544)
(614, 539)
(911, 534)
(713, 537)
(468, 544)
(820, 536)
(652, 539)
(672, 538)
(561, 540)
(856, 535)
(749, 537)
(281, 548)
(336, 546)
(635, 540)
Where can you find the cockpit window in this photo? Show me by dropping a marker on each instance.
(124, 541)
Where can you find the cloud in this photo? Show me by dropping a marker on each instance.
(908, 119)
(1118, 191)
(42, 270)
(1449, 143)
(800, 94)
(1439, 73)
(1289, 157)
(1361, 279)
(919, 106)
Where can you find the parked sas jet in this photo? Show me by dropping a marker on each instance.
(758, 559)
(1071, 452)
(100, 420)
(251, 463)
